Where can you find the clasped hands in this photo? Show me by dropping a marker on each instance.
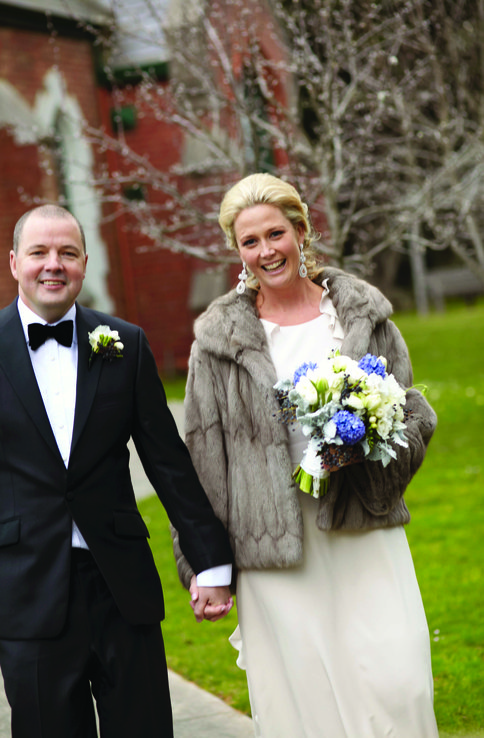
(209, 603)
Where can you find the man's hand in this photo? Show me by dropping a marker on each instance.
(210, 603)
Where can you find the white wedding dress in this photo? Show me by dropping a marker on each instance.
(337, 647)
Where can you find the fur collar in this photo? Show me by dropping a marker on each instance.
(230, 328)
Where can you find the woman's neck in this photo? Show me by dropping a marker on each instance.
(290, 307)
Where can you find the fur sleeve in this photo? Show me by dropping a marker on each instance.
(185, 571)
(205, 441)
(380, 488)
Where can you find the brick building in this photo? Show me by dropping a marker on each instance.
(52, 90)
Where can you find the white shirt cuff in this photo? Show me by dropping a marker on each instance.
(218, 576)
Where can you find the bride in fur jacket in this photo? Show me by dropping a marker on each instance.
(332, 631)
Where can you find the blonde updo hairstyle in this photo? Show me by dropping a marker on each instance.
(264, 189)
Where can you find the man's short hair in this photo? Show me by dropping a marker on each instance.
(45, 211)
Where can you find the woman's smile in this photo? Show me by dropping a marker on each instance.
(274, 265)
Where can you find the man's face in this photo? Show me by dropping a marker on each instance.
(50, 265)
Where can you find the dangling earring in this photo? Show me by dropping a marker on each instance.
(303, 270)
(243, 278)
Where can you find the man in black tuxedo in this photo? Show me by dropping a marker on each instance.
(80, 597)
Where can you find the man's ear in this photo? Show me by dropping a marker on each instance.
(13, 264)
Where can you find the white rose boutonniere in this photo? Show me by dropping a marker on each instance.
(105, 343)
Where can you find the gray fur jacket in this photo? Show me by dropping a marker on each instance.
(240, 449)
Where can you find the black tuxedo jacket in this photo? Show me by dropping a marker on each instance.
(39, 497)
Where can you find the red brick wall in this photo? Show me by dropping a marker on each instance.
(149, 286)
(16, 164)
(25, 58)
(157, 281)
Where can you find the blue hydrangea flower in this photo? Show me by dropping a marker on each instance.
(372, 365)
(351, 428)
(303, 370)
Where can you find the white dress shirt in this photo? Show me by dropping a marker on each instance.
(55, 368)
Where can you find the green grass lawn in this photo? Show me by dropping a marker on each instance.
(446, 534)
(446, 499)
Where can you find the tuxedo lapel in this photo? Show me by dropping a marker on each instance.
(87, 374)
(17, 366)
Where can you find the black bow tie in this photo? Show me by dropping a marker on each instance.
(62, 332)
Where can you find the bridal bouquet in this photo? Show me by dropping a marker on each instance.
(349, 410)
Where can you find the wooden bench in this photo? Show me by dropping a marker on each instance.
(456, 282)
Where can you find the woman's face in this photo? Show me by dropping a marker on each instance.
(269, 245)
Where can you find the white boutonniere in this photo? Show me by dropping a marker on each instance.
(105, 343)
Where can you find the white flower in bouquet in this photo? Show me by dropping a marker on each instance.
(308, 394)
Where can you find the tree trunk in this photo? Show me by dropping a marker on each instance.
(417, 261)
